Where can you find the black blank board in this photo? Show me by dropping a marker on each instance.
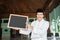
(17, 21)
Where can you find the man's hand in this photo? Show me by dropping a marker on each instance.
(17, 28)
(29, 26)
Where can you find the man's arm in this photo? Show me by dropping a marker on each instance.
(26, 31)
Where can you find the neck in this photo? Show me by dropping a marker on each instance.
(39, 20)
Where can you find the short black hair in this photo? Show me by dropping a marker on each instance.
(39, 10)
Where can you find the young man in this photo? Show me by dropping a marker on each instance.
(39, 27)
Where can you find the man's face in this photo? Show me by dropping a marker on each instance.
(40, 16)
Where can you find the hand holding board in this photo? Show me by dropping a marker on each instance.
(17, 21)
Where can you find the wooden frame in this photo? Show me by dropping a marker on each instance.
(17, 21)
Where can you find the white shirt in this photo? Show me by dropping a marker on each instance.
(39, 29)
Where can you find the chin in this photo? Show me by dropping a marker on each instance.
(39, 19)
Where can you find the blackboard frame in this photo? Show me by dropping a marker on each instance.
(17, 16)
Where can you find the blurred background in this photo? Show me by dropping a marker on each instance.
(28, 8)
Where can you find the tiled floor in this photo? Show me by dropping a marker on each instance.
(25, 38)
(16, 38)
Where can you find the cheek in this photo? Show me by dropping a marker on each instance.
(42, 16)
